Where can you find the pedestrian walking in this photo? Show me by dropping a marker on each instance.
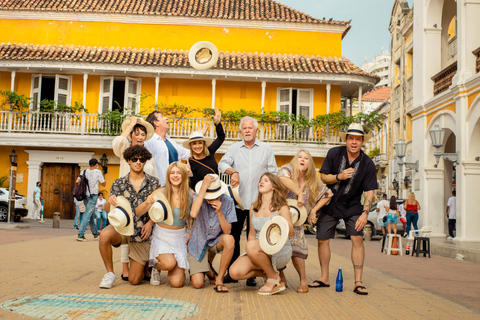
(100, 212)
(412, 206)
(37, 201)
(452, 215)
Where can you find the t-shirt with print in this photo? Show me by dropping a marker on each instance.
(94, 177)
(346, 201)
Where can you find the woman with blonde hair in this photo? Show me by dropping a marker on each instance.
(256, 263)
(168, 245)
(412, 206)
(301, 183)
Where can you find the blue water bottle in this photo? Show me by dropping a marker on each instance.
(339, 283)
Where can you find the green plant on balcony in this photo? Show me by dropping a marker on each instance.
(374, 152)
(14, 102)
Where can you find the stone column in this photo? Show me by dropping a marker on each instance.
(34, 175)
(468, 220)
(433, 211)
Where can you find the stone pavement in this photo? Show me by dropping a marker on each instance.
(46, 274)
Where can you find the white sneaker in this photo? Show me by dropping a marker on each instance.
(449, 238)
(108, 280)
(155, 279)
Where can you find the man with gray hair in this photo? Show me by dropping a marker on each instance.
(245, 161)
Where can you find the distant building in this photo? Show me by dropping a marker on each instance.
(379, 66)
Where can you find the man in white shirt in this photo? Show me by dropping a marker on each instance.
(452, 214)
(163, 149)
(94, 177)
(382, 212)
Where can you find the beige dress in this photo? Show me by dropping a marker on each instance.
(119, 145)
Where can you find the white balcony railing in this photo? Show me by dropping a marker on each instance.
(91, 124)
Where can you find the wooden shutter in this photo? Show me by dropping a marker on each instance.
(132, 96)
(304, 103)
(63, 89)
(106, 94)
(36, 91)
(285, 100)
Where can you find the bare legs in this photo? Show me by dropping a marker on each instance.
(108, 238)
(358, 257)
(324, 258)
(167, 262)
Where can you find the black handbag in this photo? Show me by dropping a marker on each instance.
(385, 219)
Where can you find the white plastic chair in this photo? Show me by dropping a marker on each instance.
(424, 232)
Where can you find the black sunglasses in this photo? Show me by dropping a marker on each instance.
(135, 159)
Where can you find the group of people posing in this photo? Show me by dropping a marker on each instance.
(152, 174)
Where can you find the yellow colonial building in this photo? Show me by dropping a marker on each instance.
(133, 56)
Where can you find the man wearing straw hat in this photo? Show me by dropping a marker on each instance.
(214, 213)
(245, 162)
(349, 173)
(128, 193)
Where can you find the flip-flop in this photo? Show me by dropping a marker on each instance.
(360, 292)
(124, 278)
(321, 284)
(220, 285)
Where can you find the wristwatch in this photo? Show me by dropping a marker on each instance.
(365, 211)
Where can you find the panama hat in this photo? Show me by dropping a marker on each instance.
(147, 125)
(298, 214)
(355, 129)
(161, 211)
(216, 188)
(203, 55)
(235, 195)
(121, 217)
(274, 235)
(197, 136)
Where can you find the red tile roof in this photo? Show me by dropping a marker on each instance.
(378, 95)
(241, 61)
(265, 10)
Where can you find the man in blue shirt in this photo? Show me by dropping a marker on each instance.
(214, 213)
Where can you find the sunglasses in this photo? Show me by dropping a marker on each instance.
(135, 159)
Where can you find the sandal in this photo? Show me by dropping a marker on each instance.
(211, 278)
(363, 293)
(302, 287)
(267, 291)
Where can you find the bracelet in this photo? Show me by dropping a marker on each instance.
(130, 128)
(336, 177)
(234, 172)
(365, 211)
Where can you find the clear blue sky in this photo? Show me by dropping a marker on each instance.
(370, 20)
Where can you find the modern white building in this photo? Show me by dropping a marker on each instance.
(379, 66)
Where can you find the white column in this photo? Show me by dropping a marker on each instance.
(157, 82)
(214, 85)
(34, 175)
(329, 87)
(468, 220)
(262, 108)
(360, 94)
(433, 211)
(12, 81)
(85, 78)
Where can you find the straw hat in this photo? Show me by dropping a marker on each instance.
(274, 235)
(197, 136)
(235, 195)
(203, 55)
(355, 129)
(161, 211)
(121, 217)
(215, 189)
(298, 214)
(147, 125)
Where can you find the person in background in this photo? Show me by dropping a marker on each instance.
(382, 213)
(301, 183)
(79, 211)
(246, 161)
(37, 201)
(392, 215)
(451, 214)
(403, 217)
(412, 206)
(100, 212)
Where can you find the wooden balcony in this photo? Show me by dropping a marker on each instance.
(78, 124)
(443, 79)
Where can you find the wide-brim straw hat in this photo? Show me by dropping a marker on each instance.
(298, 214)
(274, 235)
(147, 125)
(161, 211)
(197, 136)
(215, 189)
(203, 55)
(234, 193)
(355, 129)
(121, 217)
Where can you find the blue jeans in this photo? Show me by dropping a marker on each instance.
(78, 216)
(412, 217)
(99, 215)
(88, 217)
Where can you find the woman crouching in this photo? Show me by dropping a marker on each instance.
(256, 263)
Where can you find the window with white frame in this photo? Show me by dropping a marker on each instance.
(122, 94)
(295, 101)
(50, 87)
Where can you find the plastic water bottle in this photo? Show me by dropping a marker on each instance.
(339, 283)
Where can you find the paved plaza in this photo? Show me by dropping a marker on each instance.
(46, 274)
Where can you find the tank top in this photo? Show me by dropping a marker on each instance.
(177, 212)
(411, 208)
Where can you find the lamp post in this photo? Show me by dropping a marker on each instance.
(103, 162)
(12, 186)
(437, 135)
(400, 150)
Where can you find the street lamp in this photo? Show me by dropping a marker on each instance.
(401, 149)
(13, 158)
(103, 162)
(437, 135)
(12, 186)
